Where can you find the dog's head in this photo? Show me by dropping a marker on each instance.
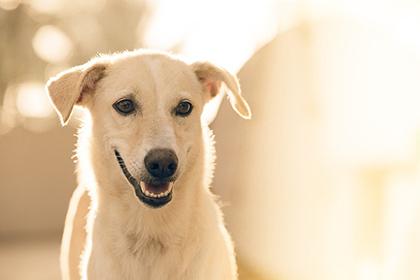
(146, 115)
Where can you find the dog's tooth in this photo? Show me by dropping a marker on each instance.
(155, 195)
(142, 186)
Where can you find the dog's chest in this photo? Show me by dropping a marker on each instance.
(148, 258)
(149, 250)
(154, 258)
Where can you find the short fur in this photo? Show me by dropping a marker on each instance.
(185, 239)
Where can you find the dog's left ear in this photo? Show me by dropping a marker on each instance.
(211, 78)
(70, 87)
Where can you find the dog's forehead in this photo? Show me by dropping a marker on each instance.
(155, 74)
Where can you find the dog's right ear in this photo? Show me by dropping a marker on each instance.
(211, 78)
(70, 87)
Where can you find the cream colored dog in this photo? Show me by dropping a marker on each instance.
(145, 157)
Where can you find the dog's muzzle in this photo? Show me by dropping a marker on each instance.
(155, 188)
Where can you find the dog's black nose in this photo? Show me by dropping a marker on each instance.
(161, 163)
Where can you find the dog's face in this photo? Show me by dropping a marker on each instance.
(148, 112)
(146, 115)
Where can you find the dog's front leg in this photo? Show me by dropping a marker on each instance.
(74, 235)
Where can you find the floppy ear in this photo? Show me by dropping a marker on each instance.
(211, 78)
(70, 87)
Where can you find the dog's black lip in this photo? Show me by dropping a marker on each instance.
(149, 201)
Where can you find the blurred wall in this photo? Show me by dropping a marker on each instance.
(37, 179)
(311, 180)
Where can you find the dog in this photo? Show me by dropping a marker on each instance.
(145, 156)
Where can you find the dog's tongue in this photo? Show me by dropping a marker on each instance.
(157, 188)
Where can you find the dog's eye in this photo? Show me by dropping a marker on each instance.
(183, 109)
(124, 106)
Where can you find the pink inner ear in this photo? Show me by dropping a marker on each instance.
(90, 80)
(212, 86)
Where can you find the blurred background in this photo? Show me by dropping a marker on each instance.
(322, 184)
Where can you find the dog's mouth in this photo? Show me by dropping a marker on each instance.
(152, 193)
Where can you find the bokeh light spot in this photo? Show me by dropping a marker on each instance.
(32, 101)
(9, 4)
(51, 44)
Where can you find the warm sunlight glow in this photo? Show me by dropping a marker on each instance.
(9, 4)
(323, 183)
(52, 44)
(32, 101)
(213, 31)
(46, 6)
(369, 270)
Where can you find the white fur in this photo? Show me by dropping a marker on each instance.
(185, 239)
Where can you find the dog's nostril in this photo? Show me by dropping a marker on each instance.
(172, 166)
(154, 166)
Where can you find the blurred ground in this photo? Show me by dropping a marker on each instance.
(30, 258)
